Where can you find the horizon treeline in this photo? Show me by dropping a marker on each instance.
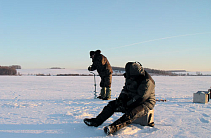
(4, 70)
(154, 71)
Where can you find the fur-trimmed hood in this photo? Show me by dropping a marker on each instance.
(134, 69)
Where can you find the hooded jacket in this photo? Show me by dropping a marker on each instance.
(101, 63)
(139, 86)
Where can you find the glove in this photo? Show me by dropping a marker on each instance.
(89, 68)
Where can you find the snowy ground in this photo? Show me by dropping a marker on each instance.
(54, 107)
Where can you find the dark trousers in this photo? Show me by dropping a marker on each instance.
(106, 81)
(128, 117)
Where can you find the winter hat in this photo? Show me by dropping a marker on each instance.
(97, 52)
(91, 53)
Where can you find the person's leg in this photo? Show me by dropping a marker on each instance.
(107, 112)
(107, 83)
(103, 88)
(108, 94)
(126, 119)
(102, 93)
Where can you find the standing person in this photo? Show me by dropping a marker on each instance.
(103, 67)
(135, 100)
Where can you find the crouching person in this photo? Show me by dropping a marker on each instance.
(136, 99)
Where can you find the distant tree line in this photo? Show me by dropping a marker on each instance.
(153, 71)
(56, 68)
(4, 70)
(160, 72)
(175, 70)
(15, 66)
(118, 68)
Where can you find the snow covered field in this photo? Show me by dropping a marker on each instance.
(52, 72)
(54, 107)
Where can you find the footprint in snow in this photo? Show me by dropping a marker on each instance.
(204, 120)
(205, 115)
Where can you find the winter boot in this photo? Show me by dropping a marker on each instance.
(108, 94)
(99, 97)
(91, 122)
(108, 130)
(102, 93)
(118, 124)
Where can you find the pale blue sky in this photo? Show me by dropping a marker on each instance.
(160, 34)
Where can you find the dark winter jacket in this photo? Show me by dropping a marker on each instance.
(101, 64)
(139, 86)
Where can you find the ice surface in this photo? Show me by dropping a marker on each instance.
(55, 106)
